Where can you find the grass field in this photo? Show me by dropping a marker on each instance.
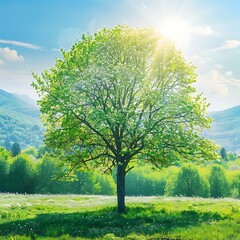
(94, 217)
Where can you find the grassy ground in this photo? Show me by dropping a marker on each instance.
(94, 217)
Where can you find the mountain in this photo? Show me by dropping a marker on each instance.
(19, 106)
(19, 121)
(225, 129)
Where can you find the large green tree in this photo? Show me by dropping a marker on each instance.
(120, 96)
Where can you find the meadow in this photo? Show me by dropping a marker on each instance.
(94, 217)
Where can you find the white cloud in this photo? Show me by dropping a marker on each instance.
(220, 83)
(20, 44)
(200, 60)
(203, 31)
(216, 83)
(10, 55)
(228, 44)
(1, 62)
(229, 73)
(56, 49)
(218, 66)
(221, 89)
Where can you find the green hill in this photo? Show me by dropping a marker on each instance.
(19, 121)
(225, 129)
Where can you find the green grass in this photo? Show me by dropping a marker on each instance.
(94, 217)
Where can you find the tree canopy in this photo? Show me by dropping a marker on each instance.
(16, 149)
(120, 96)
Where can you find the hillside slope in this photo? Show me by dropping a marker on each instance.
(19, 121)
(225, 129)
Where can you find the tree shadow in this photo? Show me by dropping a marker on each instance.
(98, 223)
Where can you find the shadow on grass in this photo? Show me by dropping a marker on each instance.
(139, 220)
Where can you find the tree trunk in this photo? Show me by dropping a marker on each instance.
(121, 188)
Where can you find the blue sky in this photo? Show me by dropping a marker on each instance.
(207, 31)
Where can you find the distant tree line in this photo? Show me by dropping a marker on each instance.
(215, 180)
(36, 171)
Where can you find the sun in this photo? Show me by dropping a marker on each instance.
(176, 30)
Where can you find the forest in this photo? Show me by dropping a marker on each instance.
(14, 130)
(37, 171)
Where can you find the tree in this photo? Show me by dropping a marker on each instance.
(47, 172)
(235, 185)
(16, 149)
(219, 186)
(86, 183)
(42, 150)
(107, 184)
(121, 95)
(223, 153)
(22, 174)
(231, 156)
(4, 168)
(189, 183)
(32, 151)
